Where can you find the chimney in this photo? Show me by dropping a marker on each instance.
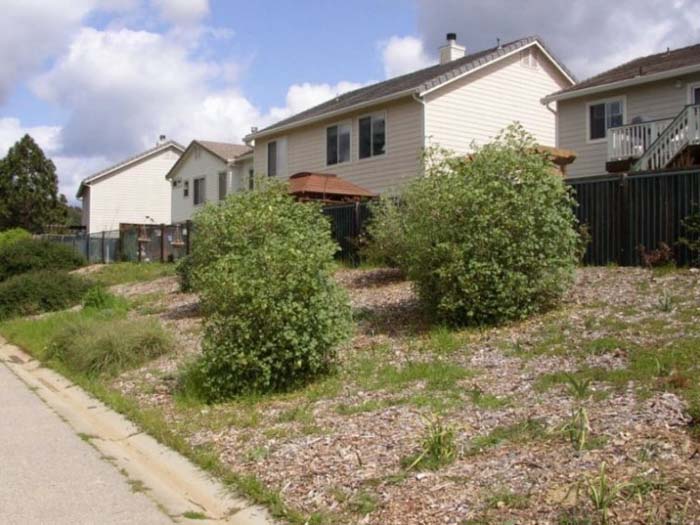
(451, 51)
(161, 140)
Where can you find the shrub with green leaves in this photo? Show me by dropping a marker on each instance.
(28, 255)
(11, 236)
(94, 346)
(183, 269)
(38, 292)
(273, 314)
(487, 238)
(99, 298)
(385, 243)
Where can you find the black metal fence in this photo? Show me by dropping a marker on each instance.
(626, 212)
(347, 225)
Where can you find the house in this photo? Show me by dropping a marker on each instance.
(207, 172)
(642, 115)
(132, 191)
(373, 136)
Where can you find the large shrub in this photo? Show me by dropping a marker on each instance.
(29, 255)
(273, 315)
(13, 235)
(95, 346)
(37, 292)
(490, 237)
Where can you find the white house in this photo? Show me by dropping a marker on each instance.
(132, 191)
(642, 115)
(374, 136)
(207, 172)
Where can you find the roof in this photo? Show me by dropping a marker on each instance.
(417, 82)
(639, 70)
(225, 151)
(126, 162)
(326, 184)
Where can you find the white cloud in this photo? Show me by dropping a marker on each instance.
(588, 36)
(182, 12)
(304, 96)
(403, 54)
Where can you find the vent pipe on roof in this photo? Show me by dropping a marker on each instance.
(451, 50)
(161, 140)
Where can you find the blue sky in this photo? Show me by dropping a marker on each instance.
(94, 81)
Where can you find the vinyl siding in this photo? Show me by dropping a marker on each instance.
(208, 166)
(306, 148)
(479, 106)
(137, 193)
(661, 99)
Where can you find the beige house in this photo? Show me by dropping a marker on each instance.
(374, 136)
(207, 172)
(132, 191)
(642, 115)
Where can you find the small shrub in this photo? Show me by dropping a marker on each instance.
(13, 235)
(691, 237)
(273, 316)
(30, 255)
(94, 347)
(99, 298)
(662, 256)
(385, 242)
(438, 447)
(485, 239)
(37, 292)
(183, 269)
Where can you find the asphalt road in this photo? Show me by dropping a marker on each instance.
(49, 475)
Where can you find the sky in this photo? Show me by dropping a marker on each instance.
(95, 81)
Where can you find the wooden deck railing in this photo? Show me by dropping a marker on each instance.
(683, 131)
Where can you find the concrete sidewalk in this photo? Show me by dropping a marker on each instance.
(66, 458)
(49, 475)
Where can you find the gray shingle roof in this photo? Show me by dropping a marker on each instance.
(640, 67)
(417, 81)
(224, 150)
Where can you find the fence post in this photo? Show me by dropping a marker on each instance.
(162, 243)
(188, 226)
(104, 258)
(87, 247)
(624, 258)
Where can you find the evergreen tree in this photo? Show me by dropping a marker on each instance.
(29, 195)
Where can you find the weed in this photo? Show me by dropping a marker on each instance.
(301, 414)
(507, 498)
(665, 302)
(363, 503)
(521, 432)
(437, 447)
(579, 388)
(486, 401)
(640, 486)
(603, 345)
(578, 428)
(136, 485)
(194, 515)
(366, 406)
(442, 340)
(602, 494)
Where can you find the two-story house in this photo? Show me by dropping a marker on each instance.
(640, 116)
(373, 136)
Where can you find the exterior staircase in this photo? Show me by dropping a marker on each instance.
(676, 139)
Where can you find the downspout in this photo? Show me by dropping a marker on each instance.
(556, 121)
(422, 102)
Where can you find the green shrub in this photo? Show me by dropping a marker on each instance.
(273, 315)
(385, 244)
(487, 238)
(183, 269)
(99, 298)
(94, 346)
(28, 255)
(37, 292)
(13, 235)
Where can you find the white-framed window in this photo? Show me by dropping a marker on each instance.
(602, 115)
(272, 158)
(528, 58)
(200, 194)
(186, 189)
(372, 131)
(251, 179)
(222, 185)
(694, 93)
(338, 143)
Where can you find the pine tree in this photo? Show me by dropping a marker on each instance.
(29, 195)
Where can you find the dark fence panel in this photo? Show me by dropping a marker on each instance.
(347, 225)
(626, 212)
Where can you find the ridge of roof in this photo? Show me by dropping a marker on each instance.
(129, 160)
(640, 67)
(225, 151)
(417, 81)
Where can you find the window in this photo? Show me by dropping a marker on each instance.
(251, 179)
(272, 159)
(222, 185)
(602, 116)
(694, 93)
(372, 136)
(338, 144)
(199, 191)
(186, 189)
